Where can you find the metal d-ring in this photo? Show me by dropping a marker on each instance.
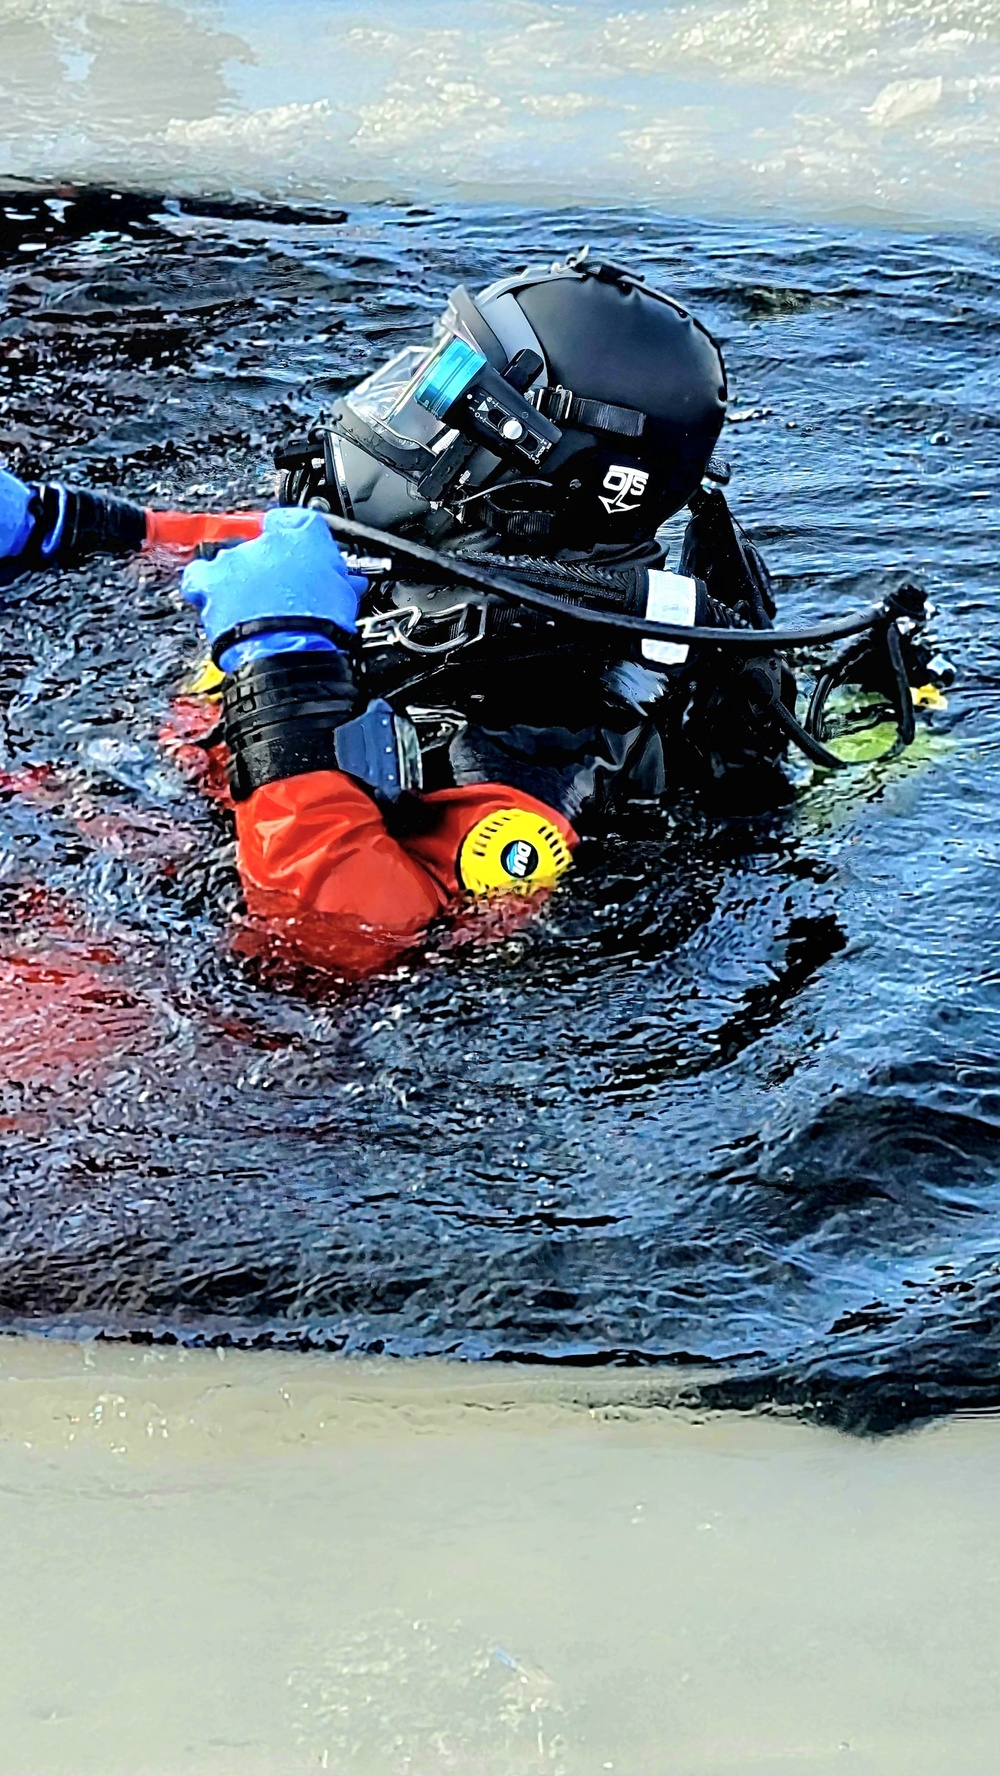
(399, 627)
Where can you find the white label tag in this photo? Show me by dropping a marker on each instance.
(673, 598)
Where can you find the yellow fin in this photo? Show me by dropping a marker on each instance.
(207, 681)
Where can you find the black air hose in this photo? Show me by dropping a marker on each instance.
(463, 573)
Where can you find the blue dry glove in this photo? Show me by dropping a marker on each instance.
(294, 569)
(16, 521)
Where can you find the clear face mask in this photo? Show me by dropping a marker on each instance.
(431, 408)
(400, 406)
(406, 398)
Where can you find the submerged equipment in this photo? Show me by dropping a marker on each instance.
(571, 405)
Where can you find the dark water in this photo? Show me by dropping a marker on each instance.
(735, 1095)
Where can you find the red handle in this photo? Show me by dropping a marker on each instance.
(185, 530)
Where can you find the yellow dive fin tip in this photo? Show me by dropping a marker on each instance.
(207, 681)
(929, 697)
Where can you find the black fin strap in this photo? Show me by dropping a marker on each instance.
(842, 669)
(806, 742)
(900, 686)
(836, 673)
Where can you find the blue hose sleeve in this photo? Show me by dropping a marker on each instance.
(16, 516)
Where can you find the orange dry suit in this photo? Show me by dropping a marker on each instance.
(524, 736)
(527, 733)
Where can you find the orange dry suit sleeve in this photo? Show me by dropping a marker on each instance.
(314, 852)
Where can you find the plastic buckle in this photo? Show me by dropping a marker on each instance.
(558, 401)
(381, 748)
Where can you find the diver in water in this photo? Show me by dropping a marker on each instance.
(447, 717)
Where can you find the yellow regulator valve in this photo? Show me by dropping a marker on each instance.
(512, 852)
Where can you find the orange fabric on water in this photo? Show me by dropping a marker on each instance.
(185, 530)
(182, 736)
(64, 1013)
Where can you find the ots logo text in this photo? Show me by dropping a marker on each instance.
(625, 488)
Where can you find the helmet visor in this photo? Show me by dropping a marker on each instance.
(406, 399)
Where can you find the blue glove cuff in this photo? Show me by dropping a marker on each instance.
(286, 591)
(49, 543)
(283, 641)
(17, 521)
(269, 636)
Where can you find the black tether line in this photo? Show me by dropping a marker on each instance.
(463, 573)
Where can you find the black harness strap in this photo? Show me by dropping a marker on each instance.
(564, 407)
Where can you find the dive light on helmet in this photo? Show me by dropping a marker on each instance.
(462, 388)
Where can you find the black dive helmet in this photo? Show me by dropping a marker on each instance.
(569, 407)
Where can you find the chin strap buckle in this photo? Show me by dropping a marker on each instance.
(555, 401)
